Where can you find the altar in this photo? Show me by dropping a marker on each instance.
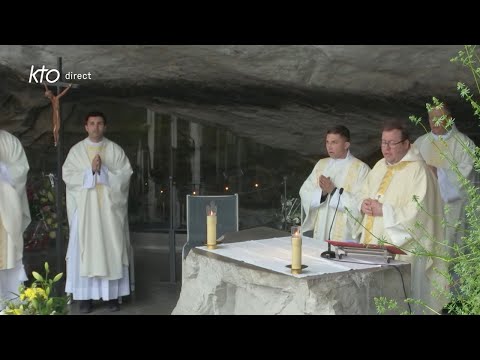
(252, 277)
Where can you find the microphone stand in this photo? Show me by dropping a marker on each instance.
(329, 254)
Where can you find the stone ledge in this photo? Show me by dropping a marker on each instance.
(217, 285)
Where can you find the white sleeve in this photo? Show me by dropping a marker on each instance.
(334, 200)
(89, 179)
(398, 233)
(316, 197)
(448, 189)
(4, 174)
(102, 178)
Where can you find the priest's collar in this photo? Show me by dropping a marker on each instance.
(346, 158)
(412, 155)
(445, 136)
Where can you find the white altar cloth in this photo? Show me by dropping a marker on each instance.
(275, 254)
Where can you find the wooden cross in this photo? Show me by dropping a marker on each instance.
(58, 141)
(55, 100)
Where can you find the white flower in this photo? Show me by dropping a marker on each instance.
(291, 211)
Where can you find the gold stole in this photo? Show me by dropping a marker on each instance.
(339, 227)
(92, 152)
(384, 184)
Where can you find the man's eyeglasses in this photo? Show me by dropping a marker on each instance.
(391, 143)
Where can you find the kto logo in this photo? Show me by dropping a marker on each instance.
(51, 75)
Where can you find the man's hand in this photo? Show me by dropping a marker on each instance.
(377, 208)
(366, 207)
(96, 164)
(326, 184)
(372, 207)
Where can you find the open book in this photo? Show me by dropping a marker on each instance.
(343, 244)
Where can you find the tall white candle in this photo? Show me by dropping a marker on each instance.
(296, 252)
(212, 229)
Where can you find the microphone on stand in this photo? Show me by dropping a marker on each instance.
(329, 254)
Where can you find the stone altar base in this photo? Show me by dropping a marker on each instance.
(217, 284)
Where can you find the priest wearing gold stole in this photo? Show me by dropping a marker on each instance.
(321, 192)
(392, 215)
(97, 176)
(453, 145)
(14, 214)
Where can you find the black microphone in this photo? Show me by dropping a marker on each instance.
(329, 254)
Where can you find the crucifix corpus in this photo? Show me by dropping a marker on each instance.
(55, 100)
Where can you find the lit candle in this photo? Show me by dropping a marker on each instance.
(296, 250)
(211, 226)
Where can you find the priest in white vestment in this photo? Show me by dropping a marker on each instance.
(453, 145)
(14, 215)
(392, 215)
(97, 176)
(331, 185)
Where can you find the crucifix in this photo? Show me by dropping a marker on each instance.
(58, 139)
(55, 100)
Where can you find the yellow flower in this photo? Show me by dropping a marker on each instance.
(32, 293)
(39, 292)
(36, 300)
(29, 293)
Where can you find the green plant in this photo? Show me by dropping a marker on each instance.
(465, 261)
(464, 275)
(37, 299)
(42, 200)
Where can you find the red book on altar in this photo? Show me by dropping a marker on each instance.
(347, 244)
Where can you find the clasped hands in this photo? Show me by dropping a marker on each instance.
(96, 164)
(372, 207)
(326, 184)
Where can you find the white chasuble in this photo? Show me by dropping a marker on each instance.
(349, 174)
(14, 209)
(405, 223)
(100, 203)
(437, 151)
